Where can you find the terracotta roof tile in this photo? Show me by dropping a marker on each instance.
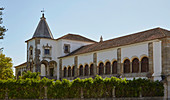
(76, 37)
(151, 34)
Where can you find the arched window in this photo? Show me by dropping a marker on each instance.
(114, 67)
(91, 69)
(107, 68)
(69, 71)
(145, 64)
(86, 71)
(126, 66)
(135, 65)
(73, 69)
(81, 70)
(65, 72)
(101, 69)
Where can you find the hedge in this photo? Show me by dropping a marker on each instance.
(92, 88)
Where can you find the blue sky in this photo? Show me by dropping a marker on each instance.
(90, 18)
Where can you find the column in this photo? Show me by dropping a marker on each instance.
(76, 66)
(150, 51)
(95, 63)
(119, 65)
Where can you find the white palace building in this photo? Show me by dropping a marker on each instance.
(140, 55)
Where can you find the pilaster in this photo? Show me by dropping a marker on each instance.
(150, 54)
(60, 69)
(95, 64)
(119, 65)
(76, 66)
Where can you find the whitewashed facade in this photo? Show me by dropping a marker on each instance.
(139, 55)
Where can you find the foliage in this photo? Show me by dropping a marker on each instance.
(31, 88)
(2, 28)
(31, 75)
(6, 71)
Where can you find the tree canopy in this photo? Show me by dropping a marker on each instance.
(2, 28)
(6, 71)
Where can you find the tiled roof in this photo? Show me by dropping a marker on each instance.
(75, 37)
(151, 34)
(43, 30)
(21, 64)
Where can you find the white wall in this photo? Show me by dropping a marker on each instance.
(157, 60)
(73, 45)
(85, 59)
(134, 50)
(108, 54)
(31, 43)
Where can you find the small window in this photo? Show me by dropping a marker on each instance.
(66, 48)
(31, 52)
(46, 51)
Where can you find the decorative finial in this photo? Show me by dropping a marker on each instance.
(101, 39)
(43, 12)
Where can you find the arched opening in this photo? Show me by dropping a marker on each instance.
(18, 74)
(101, 68)
(44, 64)
(86, 71)
(145, 64)
(65, 71)
(135, 65)
(108, 66)
(69, 71)
(91, 69)
(73, 69)
(81, 70)
(126, 65)
(114, 67)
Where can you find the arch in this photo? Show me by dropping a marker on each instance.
(135, 65)
(107, 67)
(81, 70)
(18, 74)
(114, 67)
(52, 67)
(101, 68)
(73, 71)
(126, 66)
(92, 69)
(125, 58)
(145, 64)
(142, 56)
(69, 71)
(65, 71)
(86, 70)
(133, 57)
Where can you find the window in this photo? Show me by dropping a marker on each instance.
(51, 72)
(126, 66)
(46, 51)
(91, 69)
(65, 72)
(135, 65)
(31, 52)
(81, 70)
(107, 68)
(69, 71)
(86, 71)
(114, 67)
(66, 48)
(145, 64)
(73, 71)
(101, 69)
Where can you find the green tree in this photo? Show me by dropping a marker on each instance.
(2, 28)
(6, 71)
(31, 75)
